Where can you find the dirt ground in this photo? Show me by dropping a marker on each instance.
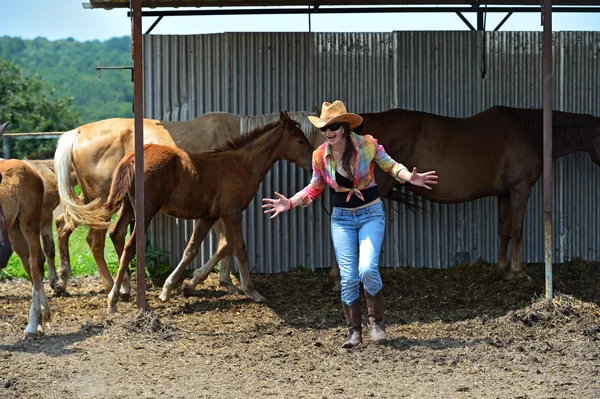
(457, 333)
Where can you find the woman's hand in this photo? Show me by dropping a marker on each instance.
(423, 179)
(279, 205)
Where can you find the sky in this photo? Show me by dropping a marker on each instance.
(62, 19)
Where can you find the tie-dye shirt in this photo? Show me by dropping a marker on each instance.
(368, 150)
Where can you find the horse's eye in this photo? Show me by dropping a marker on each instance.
(300, 141)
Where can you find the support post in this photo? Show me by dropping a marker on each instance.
(138, 106)
(547, 150)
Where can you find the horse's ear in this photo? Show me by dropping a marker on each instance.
(284, 117)
(3, 127)
(317, 110)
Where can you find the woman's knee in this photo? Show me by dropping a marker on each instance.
(369, 275)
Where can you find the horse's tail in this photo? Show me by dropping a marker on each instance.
(121, 182)
(75, 210)
(407, 197)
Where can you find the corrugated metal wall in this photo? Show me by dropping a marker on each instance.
(438, 72)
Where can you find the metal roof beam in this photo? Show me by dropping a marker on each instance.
(108, 4)
(357, 10)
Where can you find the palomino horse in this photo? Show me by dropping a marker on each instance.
(95, 149)
(497, 152)
(193, 192)
(21, 197)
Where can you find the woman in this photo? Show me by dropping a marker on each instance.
(346, 163)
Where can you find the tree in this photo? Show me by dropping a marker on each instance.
(31, 105)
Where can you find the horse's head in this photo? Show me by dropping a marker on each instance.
(592, 144)
(3, 127)
(296, 148)
(594, 148)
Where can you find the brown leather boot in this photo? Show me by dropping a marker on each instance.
(376, 323)
(354, 323)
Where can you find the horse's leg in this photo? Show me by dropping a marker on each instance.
(226, 260)
(518, 203)
(504, 231)
(96, 239)
(201, 274)
(236, 240)
(6, 249)
(63, 233)
(335, 276)
(124, 261)
(117, 235)
(31, 254)
(226, 273)
(19, 244)
(48, 245)
(200, 230)
(119, 230)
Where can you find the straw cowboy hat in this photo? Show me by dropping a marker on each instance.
(336, 112)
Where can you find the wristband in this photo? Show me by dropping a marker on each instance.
(291, 204)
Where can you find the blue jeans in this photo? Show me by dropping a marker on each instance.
(357, 237)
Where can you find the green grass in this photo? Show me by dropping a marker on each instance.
(82, 261)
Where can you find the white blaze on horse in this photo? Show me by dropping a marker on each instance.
(21, 198)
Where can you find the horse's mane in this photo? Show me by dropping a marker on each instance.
(248, 123)
(569, 130)
(573, 129)
(243, 139)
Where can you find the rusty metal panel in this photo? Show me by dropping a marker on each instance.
(438, 72)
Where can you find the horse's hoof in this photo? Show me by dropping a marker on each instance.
(256, 297)
(53, 283)
(164, 296)
(29, 336)
(231, 288)
(187, 288)
(60, 288)
(125, 297)
(111, 310)
(517, 275)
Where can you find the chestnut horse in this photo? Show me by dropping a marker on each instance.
(206, 187)
(21, 197)
(93, 152)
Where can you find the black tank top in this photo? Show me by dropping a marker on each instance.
(339, 199)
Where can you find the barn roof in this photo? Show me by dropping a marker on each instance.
(108, 4)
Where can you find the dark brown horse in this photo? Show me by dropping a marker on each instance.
(497, 152)
(206, 186)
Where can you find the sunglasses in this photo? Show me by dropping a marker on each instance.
(333, 127)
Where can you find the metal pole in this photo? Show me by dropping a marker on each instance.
(138, 105)
(547, 117)
(5, 148)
